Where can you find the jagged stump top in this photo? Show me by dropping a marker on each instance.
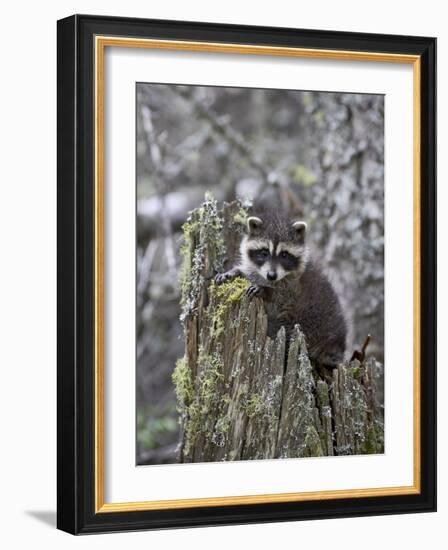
(242, 395)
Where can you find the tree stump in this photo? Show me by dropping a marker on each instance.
(242, 395)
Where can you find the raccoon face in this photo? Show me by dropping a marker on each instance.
(274, 248)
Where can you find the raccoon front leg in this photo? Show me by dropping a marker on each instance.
(227, 276)
(255, 290)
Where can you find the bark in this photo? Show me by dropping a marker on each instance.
(242, 395)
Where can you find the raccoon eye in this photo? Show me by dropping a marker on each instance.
(284, 254)
(259, 255)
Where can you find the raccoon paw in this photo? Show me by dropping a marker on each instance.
(221, 278)
(254, 290)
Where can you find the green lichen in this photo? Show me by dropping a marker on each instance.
(210, 368)
(232, 291)
(355, 370)
(225, 296)
(196, 406)
(200, 413)
(186, 404)
(356, 373)
(374, 439)
(190, 230)
(219, 435)
(241, 216)
(203, 246)
(370, 444)
(226, 399)
(254, 405)
(183, 383)
(192, 427)
(313, 445)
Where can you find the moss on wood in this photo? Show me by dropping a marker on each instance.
(239, 395)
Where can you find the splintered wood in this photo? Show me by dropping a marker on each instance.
(242, 395)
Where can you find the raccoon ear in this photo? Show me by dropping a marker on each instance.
(300, 230)
(253, 224)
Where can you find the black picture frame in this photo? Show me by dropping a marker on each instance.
(76, 253)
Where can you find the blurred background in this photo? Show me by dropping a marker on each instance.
(318, 154)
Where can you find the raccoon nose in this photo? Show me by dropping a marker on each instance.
(272, 275)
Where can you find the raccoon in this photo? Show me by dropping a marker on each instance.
(274, 257)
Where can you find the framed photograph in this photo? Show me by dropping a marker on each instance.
(246, 274)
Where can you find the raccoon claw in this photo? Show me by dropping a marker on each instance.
(221, 278)
(254, 290)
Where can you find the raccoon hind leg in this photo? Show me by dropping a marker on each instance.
(330, 359)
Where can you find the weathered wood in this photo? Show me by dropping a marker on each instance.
(242, 395)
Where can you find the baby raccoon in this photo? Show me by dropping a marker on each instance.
(275, 259)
